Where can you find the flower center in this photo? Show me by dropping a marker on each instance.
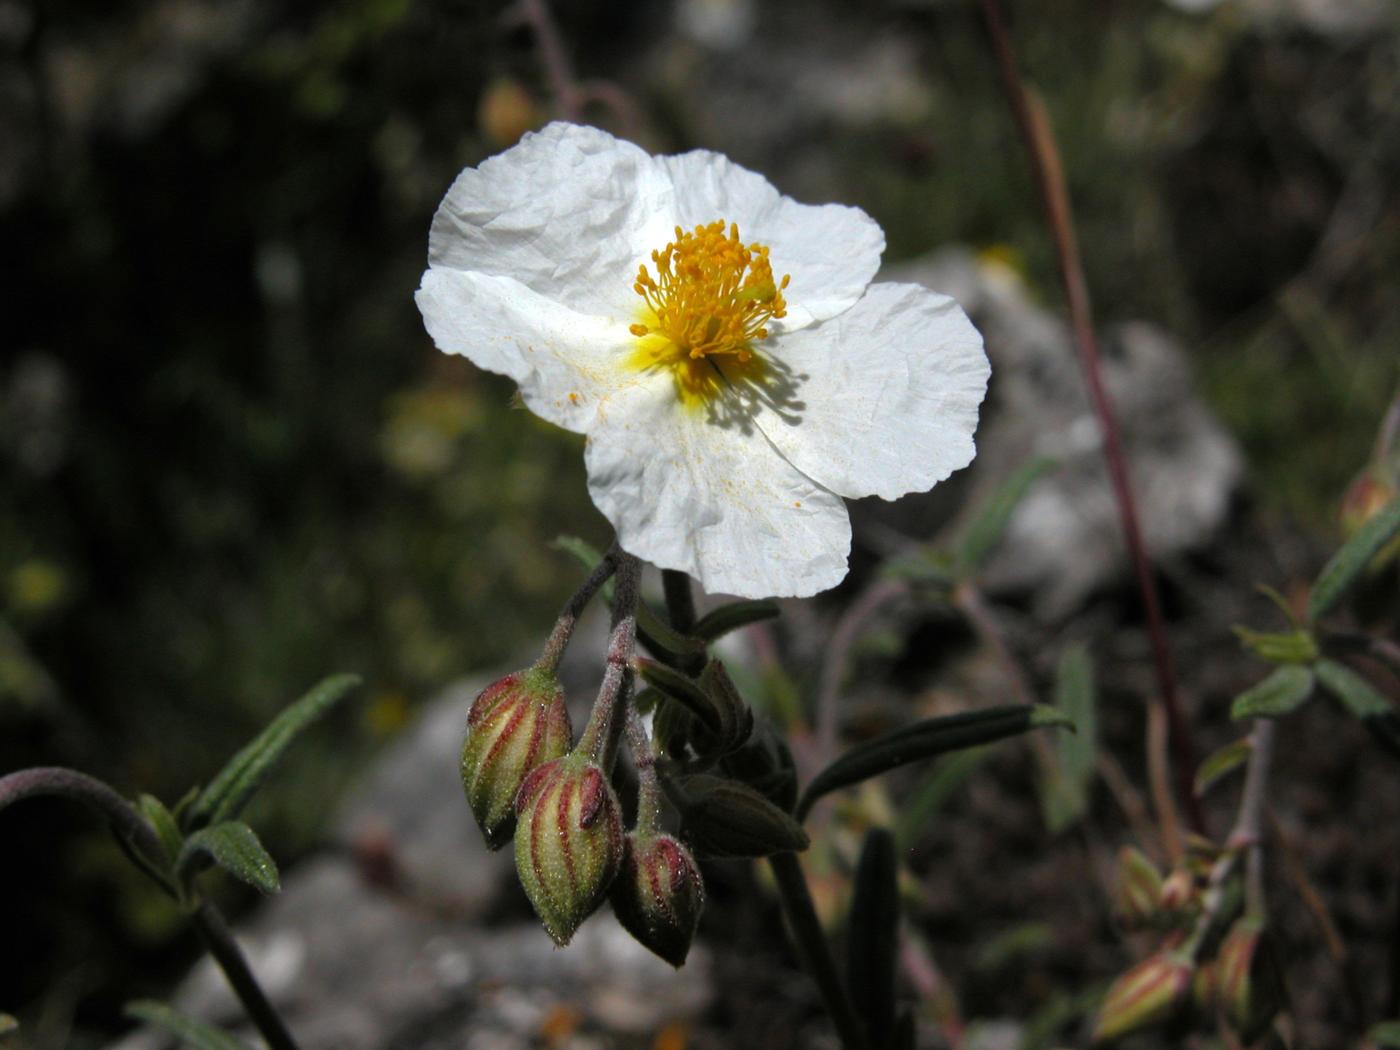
(712, 293)
(710, 301)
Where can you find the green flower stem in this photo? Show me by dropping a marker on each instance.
(573, 609)
(680, 600)
(600, 736)
(648, 783)
(133, 829)
(813, 950)
(214, 932)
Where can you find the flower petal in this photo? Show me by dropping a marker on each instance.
(567, 363)
(880, 401)
(706, 493)
(566, 212)
(832, 251)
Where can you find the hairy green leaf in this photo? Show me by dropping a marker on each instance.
(719, 622)
(1283, 690)
(724, 818)
(984, 532)
(926, 739)
(230, 791)
(164, 823)
(233, 846)
(1222, 763)
(681, 688)
(872, 938)
(191, 1032)
(1348, 564)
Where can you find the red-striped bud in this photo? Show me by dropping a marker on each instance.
(659, 894)
(569, 843)
(1151, 993)
(1250, 985)
(517, 724)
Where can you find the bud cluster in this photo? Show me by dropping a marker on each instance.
(1194, 968)
(526, 778)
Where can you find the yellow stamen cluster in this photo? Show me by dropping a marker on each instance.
(712, 293)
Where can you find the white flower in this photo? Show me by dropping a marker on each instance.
(727, 411)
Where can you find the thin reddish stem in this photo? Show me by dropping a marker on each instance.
(1049, 179)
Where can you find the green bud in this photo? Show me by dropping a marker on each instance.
(1250, 985)
(724, 818)
(735, 715)
(517, 723)
(570, 841)
(1139, 891)
(765, 764)
(1149, 994)
(659, 894)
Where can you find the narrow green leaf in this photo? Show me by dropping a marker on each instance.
(1065, 791)
(660, 637)
(234, 847)
(1279, 647)
(681, 688)
(1350, 562)
(230, 791)
(653, 631)
(188, 1030)
(1363, 700)
(1385, 1035)
(724, 818)
(163, 821)
(1278, 694)
(584, 552)
(1357, 695)
(730, 617)
(872, 938)
(1222, 763)
(984, 532)
(922, 740)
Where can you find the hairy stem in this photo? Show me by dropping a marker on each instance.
(1044, 156)
(214, 932)
(564, 626)
(644, 759)
(813, 949)
(133, 829)
(600, 736)
(680, 600)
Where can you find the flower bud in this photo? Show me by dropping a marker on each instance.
(1366, 496)
(724, 818)
(1148, 994)
(1139, 890)
(569, 846)
(1250, 987)
(517, 723)
(659, 894)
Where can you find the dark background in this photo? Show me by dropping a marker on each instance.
(231, 461)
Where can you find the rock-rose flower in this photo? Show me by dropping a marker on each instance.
(721, 346)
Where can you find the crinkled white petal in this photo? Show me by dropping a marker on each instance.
(704, 492)
(571, 212)
(831, 250)
(567, 363)
(565, 212)
(881, 400)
